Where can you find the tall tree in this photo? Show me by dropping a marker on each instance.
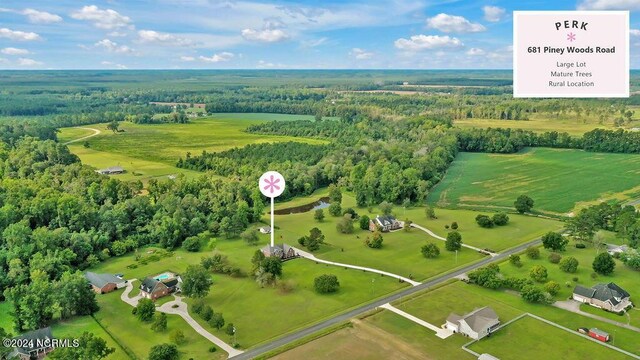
(196, 281)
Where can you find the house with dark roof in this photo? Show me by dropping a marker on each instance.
(113, 170)
(154, 288)
(384, 223)
(104, 283)
(476, 324)
(39, 345)
(610, 297)
(282, 252)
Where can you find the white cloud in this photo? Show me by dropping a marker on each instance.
(221, 57)
(265, 35)
(18, 35)
(28, 62)
(187, 58)
(634, 32)
(475, 52)
(112, 46)
(114, 65)
(14, 51)
(103, 19)
(427, 42)
(456, 24)
(609, 5)
(313, 43)
(166, 39)
(117, 34)
(493, 13)
(361, 54)
(40, 17)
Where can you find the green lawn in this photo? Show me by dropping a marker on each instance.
(434, 306)
(536, 339)
(73, 328)
(245, 304)
(557, 180)
(624, 276)
(152, 150)
(400, 253)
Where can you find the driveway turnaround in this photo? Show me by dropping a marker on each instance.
(441, 333)
(309, 256)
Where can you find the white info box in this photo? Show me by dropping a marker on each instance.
(570, 54)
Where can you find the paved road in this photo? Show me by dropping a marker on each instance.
(434, 235)
(95, 132)
(259, 350)
(309, 256)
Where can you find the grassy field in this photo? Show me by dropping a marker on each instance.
(623, 275)
(537, 339)
(6, 319)
(302, 200)
(153, 150)
(540, 123)
(400, 253)
(73, 328)
(557, 180)
(245, 304)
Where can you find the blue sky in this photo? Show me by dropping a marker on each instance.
(216, 34)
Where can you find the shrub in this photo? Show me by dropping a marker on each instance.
(217, 321)
(454, 225)
(515, 260)
(569, 264)
(484, 221)
(325, 284)
(345, 225)
(350, 211)
(538, 273)
(191, 244)
(532, 293)
(554, 258)
(580, 246)
(375, 242)
(500, 219)
(206, 313)
(177, 337)
(319, 215)
(533, 252)
(364, 222)
(575, 279)
(430, 251)
(552, 287)
(335, 209)
(430, 213)
(213, 349)
(604, 264)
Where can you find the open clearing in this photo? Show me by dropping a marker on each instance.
(537, 340)
(152, 150)
(555, 179)
(540, 123)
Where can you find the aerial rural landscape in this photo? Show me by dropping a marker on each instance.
(427, 214)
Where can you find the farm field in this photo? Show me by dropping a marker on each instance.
(152, 150)
(244, 303)
(528, 332)
(540, 123)
(559, 181)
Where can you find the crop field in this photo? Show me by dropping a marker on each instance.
(557, 180)
(152, 150)
(537, 339)
(538, 123)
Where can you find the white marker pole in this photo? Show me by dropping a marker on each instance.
(272, 229)
(272, 185)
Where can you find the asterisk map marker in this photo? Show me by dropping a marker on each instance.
(571, 37)
(271, 184)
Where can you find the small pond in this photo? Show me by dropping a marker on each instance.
(320, 204)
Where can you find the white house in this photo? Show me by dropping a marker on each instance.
(265, 230)
(476, 324)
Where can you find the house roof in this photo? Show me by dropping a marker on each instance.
(481, 319)
(44, 333)
(278, 250)
(386, 220)
(148, 284)
(610, 291)
(454, 318)
(583, 291)
(171, 282)
(100, 280)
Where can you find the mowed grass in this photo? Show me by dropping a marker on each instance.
(152, 150)
(540, 123)
(6, 317)
(400, 253)
(557, 180)
(251, 308)
(73, 329)
(536, 339)
(434, 306)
